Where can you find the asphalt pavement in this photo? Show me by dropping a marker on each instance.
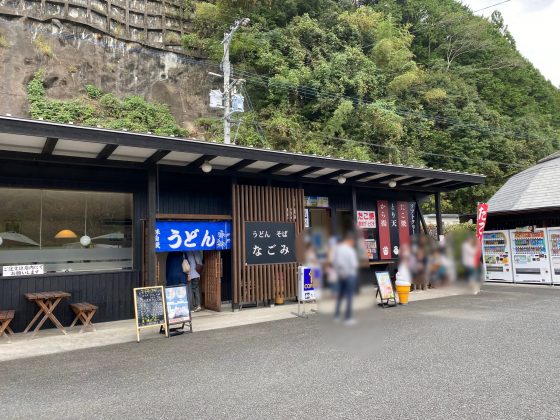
(491, 356)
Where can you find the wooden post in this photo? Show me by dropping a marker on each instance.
(234, 233)
(354, 207)
(439, 222)
(150, 240)
(421, 216)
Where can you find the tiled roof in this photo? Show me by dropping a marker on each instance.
(534, 188)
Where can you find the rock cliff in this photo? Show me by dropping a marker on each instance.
(75, 49)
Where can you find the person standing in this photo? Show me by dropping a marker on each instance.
(345, 263)
(174, 275)
(195, 261)
(469, 254)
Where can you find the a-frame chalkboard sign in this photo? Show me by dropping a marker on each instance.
(149, 309)
(385, 289)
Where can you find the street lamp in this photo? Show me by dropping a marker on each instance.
(227, 70)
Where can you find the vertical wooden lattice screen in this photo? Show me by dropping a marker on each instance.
(256, 283)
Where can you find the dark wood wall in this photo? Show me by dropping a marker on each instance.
(193, 194)
(111, 291)
(539, 219)
(262, 282)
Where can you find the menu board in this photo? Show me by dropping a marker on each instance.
(397, 223)
(177, 304)
(384, 285)
(270, 242)
(148, 308)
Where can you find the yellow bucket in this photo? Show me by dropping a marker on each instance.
(403, 292)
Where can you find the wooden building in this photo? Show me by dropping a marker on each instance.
(84, 203)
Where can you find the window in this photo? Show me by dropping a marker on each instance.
(66, 231)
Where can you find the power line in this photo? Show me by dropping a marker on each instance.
(312, 93)
(304, 91)
(492, 5)
(257, 125)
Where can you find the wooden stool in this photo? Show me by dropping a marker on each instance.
(84, 312)
(5, 319)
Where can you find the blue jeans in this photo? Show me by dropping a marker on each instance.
(346, 289)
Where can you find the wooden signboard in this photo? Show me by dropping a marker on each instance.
(149, 309)
(270, 242)
(385, 288)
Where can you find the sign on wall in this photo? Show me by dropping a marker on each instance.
(412, 220)
(192, 236)
(314, 201)
(22, 270)
(404, 229)
(384, 232)
(397, 223)
(270, 242)
(366, 219)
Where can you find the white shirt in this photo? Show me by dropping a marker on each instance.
(469, 255)
(194, 258)
(345, 261)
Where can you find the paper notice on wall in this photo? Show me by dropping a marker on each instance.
(366, 219)
(23, 270)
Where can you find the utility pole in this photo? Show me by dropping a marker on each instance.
(226, 67)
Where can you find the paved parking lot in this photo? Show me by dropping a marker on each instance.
(490, 356)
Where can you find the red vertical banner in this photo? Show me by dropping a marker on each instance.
(384, 232)
(481, 216)
(404, 232)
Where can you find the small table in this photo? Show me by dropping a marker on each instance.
(47, 302)
(5, 318)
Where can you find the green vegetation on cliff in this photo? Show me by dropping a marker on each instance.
(422, 82)
(98, 108)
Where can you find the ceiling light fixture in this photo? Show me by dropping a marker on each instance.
(392, 183)
(341, 179)
(65, 234)
(206, 167)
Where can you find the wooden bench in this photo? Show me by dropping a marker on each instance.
(84, 312)
(5, 319)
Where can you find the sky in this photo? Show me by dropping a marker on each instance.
(536, 28)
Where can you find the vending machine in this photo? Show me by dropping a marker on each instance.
(496, 256)
(531, 263)
(554, 247)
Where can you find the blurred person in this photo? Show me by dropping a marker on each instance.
(469, 257)
(195, 261)
(418, 268)
(174, 275)
(438, 268)
(404, 270)
(328, 268)
(345, 264)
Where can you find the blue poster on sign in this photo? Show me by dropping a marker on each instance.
(307, 289)
(192, 236)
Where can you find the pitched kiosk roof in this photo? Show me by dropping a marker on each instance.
(23, 139)
(534, 188)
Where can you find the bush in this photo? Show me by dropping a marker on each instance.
(133, 113)
(43, 46)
